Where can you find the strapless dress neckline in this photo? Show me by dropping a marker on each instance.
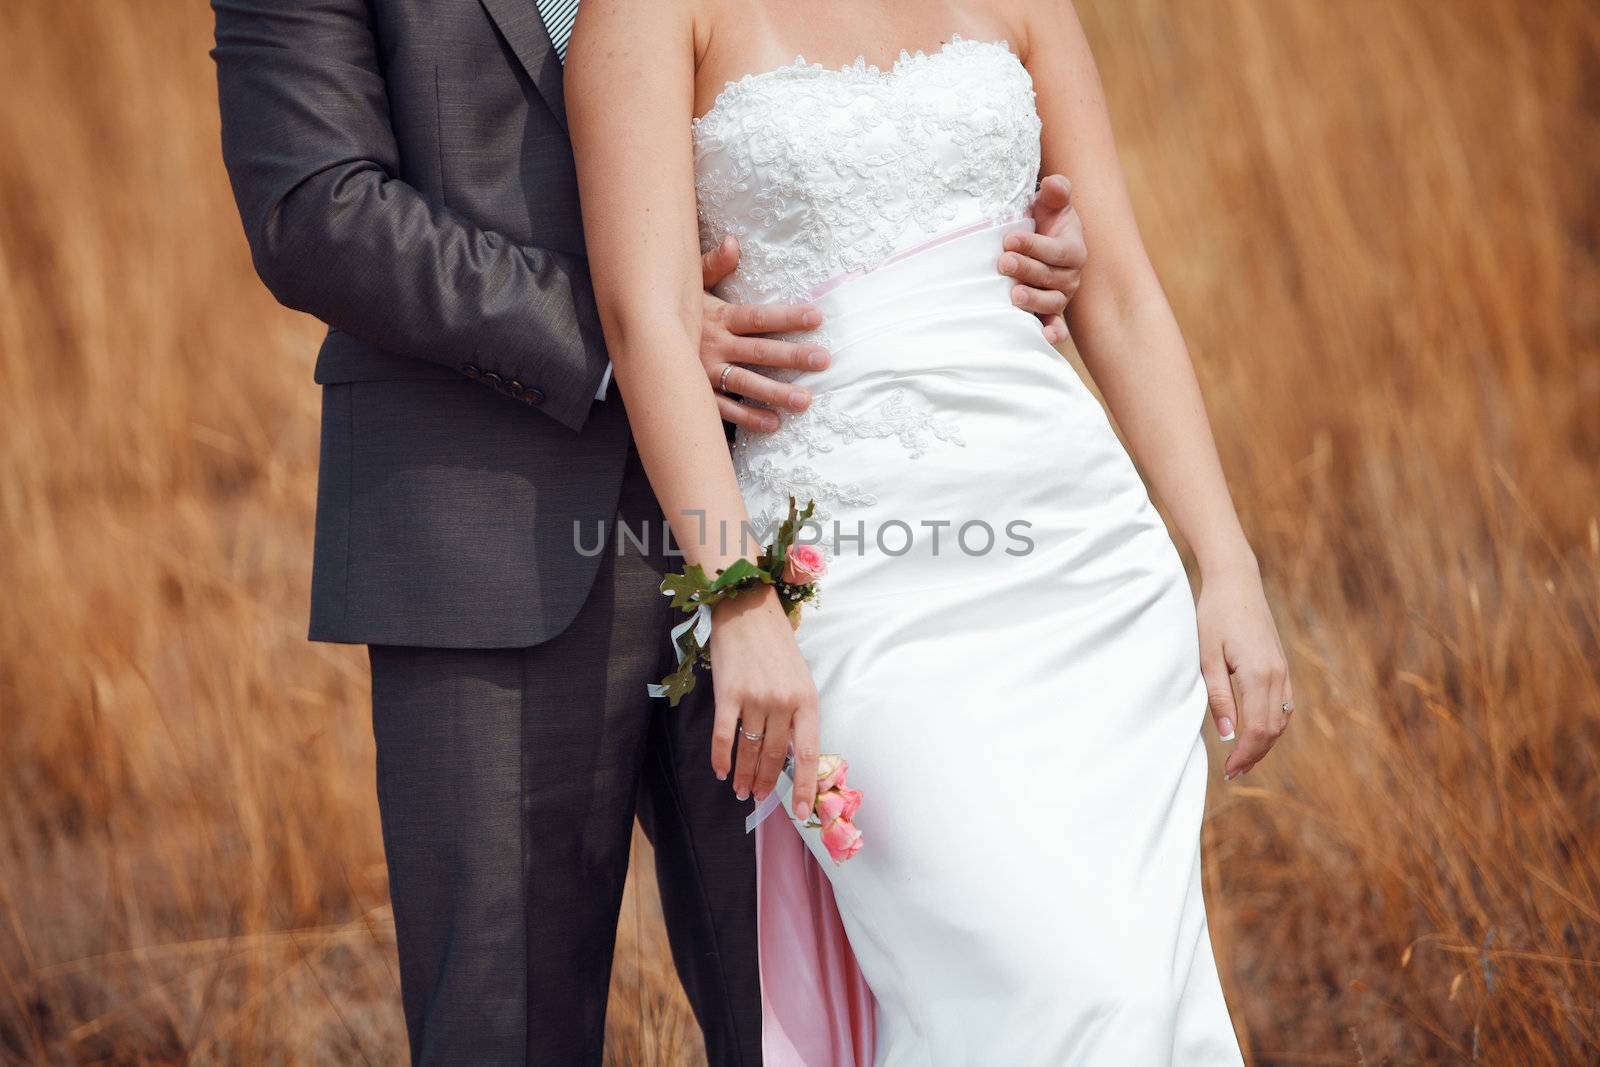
(858, 68)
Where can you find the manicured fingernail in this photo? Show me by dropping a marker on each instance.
(812, 318)
(817, 359)
(802, 811)
(1226, 725)
(1230, 776)
(742, 794)
(722, 776)
(797, 400)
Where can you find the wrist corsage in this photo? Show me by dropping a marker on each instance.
(791, 569)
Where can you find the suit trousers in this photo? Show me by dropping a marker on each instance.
(508, 782)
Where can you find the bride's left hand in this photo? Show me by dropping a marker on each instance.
(1047, 264)
(1239, 642)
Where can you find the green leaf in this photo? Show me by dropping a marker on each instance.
(739, 571)
(680, 683)
(787, 531)
(687, 588)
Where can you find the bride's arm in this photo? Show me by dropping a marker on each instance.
(1130, 342)
(630, 99)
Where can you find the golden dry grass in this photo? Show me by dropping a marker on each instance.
(1377, 222)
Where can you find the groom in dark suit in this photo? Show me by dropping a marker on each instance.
(403, 173)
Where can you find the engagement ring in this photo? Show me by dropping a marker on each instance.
(748, 736)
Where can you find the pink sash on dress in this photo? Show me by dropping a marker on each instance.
(816, 1008)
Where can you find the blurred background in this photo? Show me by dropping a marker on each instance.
(1378, 223)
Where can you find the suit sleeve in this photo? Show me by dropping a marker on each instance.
(332, 232)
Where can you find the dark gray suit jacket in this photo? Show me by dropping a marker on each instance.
(403, 172)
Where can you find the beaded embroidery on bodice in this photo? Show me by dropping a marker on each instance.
(821, 172)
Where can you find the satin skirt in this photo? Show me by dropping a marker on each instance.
(1006, 652)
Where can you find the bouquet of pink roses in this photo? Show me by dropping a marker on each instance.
(834, 808)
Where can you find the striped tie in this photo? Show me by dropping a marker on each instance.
(558, 17)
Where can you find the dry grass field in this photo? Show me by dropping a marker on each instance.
(1378, 222)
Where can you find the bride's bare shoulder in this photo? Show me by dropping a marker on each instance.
(607, 31)
(1030, 24)
(603, 18)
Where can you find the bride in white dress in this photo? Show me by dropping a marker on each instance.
(1006, 648)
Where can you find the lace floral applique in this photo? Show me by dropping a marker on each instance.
(815, 430)
(818, 430)
(802, 482)
(780, 482)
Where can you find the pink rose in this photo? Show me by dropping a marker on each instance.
(834, 807)
(851, 798)
(830, 773)
(838, 804)
(842, 840)
(805, 565)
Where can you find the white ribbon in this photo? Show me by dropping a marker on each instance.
(781, 792)
(701, 622)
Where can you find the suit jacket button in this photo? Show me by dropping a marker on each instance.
(534, 396)
(514, 387)
(491, 378)
(471, 371)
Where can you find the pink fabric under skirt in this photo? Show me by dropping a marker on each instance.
(816, 1008)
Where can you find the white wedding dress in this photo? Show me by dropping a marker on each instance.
(1018, 690)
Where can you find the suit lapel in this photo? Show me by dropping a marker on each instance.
(524, 31)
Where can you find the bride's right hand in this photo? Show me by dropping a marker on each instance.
(764, 690)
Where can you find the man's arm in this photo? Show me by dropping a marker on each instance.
(333, 232)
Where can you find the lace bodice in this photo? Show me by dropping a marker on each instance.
(821, 172)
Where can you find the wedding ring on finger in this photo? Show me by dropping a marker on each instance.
(754, 739)
(722, 382)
